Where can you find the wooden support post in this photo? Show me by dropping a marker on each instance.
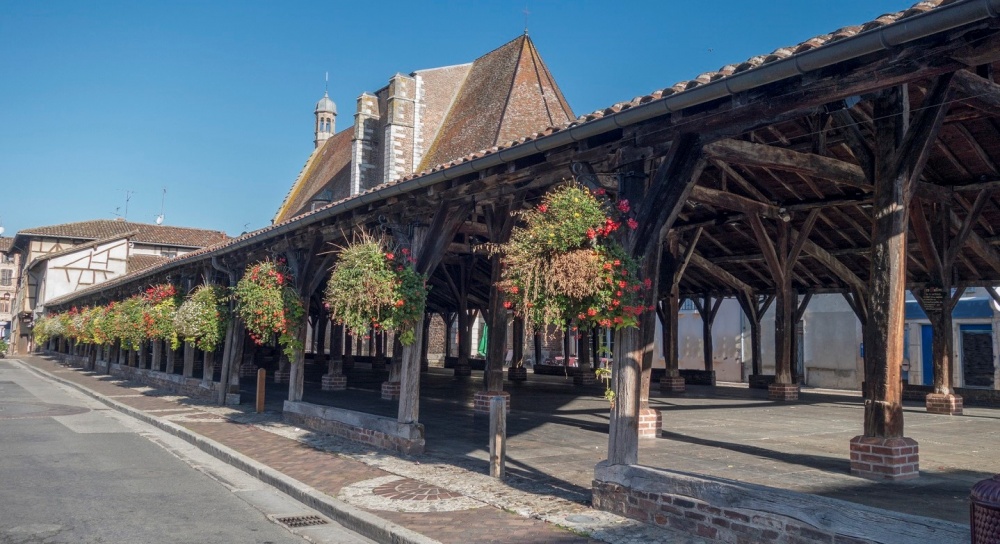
(261, 383)
(143, 350)
(188, 369)
(157, 358)
(708, 309)
(498, 437)
(207, 368)
(496, 339)
(296, 377)
(171, 358)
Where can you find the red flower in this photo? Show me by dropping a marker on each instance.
(599, 191)
(400, 303)
(406, 251)
(514, 289)
(622, 283)
(618, 293)
(591, 312)
(617, 262)
(623, 205)
(591, 233)
(647, 283)
(607, 266)
(507, 304)
(543, 208)
(390, 256)
(632, 223)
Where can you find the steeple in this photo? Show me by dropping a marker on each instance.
(326, 118)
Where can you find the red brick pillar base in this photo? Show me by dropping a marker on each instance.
(885, 458)
(783, 391)
(585, 377)
(481, 401)
(333, 382)
(390, 390)
(949, 405)
(650, 423)
(672, 384)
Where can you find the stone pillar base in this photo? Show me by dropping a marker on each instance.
(585, 377)
(248, 370)
(672, 384)
(885, 458)
(281, 376)
(650, 423)
(481, 401)
(519, 374)
(333, 382)
(390, 390)
(462, 371)
(949, 405)
(783, 391)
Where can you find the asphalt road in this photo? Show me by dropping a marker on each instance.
(74, 471)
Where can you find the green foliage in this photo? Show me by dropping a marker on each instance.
(203, 317)
(373, 285)
(269, 305)
(562, 264)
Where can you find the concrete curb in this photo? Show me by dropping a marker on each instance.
(355, 519)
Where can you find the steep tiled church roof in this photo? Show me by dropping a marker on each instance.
(329, 165)
(508, 93)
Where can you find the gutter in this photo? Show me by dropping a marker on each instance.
(940, 19)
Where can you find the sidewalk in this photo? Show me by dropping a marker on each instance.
(419, 499)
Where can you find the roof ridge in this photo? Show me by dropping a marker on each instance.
(510, 90)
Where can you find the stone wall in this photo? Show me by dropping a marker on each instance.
(741, 513)
(378, 431)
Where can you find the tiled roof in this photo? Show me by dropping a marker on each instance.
(139, 262)
(680, 87)
(330, 164)
(144, 233)
(508, 93)
(5, 244)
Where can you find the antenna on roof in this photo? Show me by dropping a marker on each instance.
(159, 218)
(128, 197)
(526, 13)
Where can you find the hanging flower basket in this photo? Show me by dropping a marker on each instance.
(374, 285)
(203, 317)
(563, 267)
(128, 321)
(158, 318)
(269, 305)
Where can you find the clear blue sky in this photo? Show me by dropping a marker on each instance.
(213, 100)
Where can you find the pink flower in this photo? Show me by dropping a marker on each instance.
(623, 205)
(632, 223)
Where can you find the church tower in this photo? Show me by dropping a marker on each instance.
(326, 119)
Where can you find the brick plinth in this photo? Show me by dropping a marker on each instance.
(462, 371)
(390, 390)
(885, 458)
(650, 423)
(519, 374)
(783, 391)
(672, 384)
(281, 376)
(585, 377)
(481, 401)
(950, 405)
(333, 382)
(248, 370)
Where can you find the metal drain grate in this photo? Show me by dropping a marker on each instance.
(301, 521)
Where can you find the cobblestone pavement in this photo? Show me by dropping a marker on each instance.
(429, 494)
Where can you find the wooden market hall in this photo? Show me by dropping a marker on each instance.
(863, 163)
